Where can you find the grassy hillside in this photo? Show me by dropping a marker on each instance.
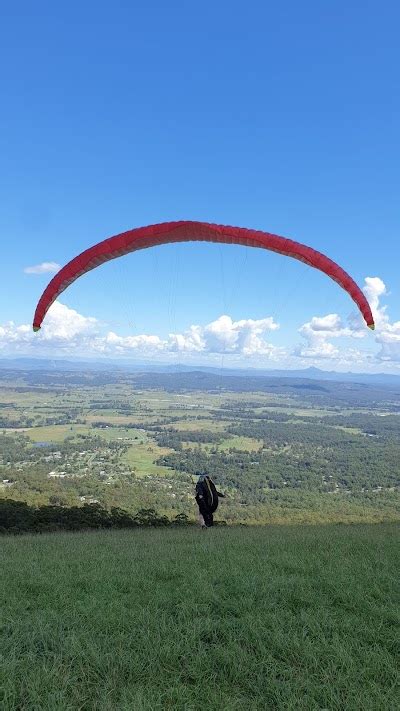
(263, 618)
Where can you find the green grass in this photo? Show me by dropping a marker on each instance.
(245, 444)
(143, 457)
(226, 619)
(110, 416)
(57, 433)
(193, 425)
(113, 433)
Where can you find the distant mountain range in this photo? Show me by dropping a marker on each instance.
(312, 373)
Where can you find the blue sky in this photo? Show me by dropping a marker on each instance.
(277, 116)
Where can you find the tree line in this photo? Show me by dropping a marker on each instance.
(20, 517)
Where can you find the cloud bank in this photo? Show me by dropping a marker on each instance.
(327, 340)
(67, 331)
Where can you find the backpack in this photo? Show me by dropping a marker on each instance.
(209, 493)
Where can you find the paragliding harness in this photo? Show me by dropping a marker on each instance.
(207, 499)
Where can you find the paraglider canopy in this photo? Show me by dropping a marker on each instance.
(188, 231)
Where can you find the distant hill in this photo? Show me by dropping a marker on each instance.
(312, 373)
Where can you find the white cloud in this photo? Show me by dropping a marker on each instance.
(221, 336)
(374, 289)
(226, 336)
(387, 333)
(66, 325)
(191, 341)
(43, 268)
(64, 329)
(319, 332)
(12, 336)
(124, 344)
(389, 340)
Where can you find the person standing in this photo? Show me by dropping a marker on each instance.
(207, 498)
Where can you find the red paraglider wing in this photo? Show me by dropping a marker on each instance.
(188, 231)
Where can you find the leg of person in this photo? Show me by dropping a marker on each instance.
(209, 520)
(201, 520)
